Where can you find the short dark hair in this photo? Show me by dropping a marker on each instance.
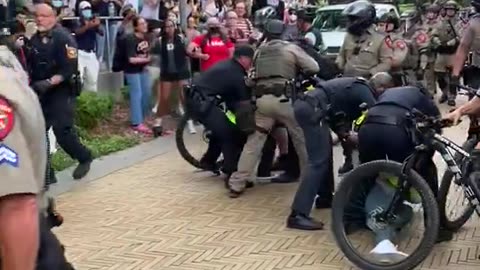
(243, 50)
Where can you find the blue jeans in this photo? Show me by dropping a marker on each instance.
(139, 85)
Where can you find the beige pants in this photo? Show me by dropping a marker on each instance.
(430, 79)
(269, 110)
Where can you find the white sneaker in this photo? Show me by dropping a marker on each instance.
(387, 252)
(191, 127)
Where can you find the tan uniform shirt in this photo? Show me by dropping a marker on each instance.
(400, 50)
(445, 34)
(23, 147)
(278, 61)
(365, 55)
(471, 38)
(418, 42)
(429, 26)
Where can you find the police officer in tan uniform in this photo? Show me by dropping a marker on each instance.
(276, 62)
(445, 40)
(430, 22)
(364, 52)
(418, 42)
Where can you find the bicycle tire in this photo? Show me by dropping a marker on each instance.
(180, 142)
(455, 224)
(342, 196)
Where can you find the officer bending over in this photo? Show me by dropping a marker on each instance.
(333, 104)
(53, 64)
(386, 134)
(227, 80)
(276, 63)
(25, 237)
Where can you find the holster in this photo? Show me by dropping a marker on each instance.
(76, 84)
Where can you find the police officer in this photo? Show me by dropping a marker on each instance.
(333, 104)
(227, 80)
(364, 51)
(27, 241)
(53, 63)
(386, 123)
(430, 22)
(312, 35)
(445, 40)
(418, 42)
(276, 63)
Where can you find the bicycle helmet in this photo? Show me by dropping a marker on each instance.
(274, 28)
(263, 15)
(361, 14)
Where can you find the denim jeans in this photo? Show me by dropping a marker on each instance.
(376, 203)
(139, 89)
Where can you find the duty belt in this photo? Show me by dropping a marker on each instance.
(275, 89)
(385, 120)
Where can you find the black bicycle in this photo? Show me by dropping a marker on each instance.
(455, 212)
(426, 130)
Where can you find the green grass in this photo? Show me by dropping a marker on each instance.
(99, 145)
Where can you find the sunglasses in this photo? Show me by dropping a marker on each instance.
(292, 12)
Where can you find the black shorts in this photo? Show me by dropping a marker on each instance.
(166, 77)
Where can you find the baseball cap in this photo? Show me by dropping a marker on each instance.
(84, 5)
(213, 22)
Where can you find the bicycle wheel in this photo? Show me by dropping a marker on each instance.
(180, 141)
(356, 180)
(462, 209)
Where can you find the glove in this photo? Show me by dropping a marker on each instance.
(452, 42)
(41, 87)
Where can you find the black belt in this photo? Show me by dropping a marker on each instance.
(385, 120)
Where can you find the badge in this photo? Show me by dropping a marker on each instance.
(44, 40)
(71, 52)
(422, 38)
(8, 156)
(400, 44)
(389, 42)
(6, 118)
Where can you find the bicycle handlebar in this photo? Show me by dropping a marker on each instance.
(424, 122)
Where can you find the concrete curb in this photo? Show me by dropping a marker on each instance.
(106, 165)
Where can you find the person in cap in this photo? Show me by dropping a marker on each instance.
(212, 47)
(276, 63)
(227, 80)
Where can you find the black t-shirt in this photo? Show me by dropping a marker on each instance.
(226, 79)
(136, 47)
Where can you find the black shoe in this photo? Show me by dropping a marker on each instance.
(157, 131)
(208, 166)
(235, 194)
(451, 103)
(81, 170)
(280, 164)
(444, 235)
(346, 167)
(442, 99)
(53, 217)
(302, 222)
(321, 203)
(249, 184)
(284, 178)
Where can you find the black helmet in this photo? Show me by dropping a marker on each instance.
(263, 15)
(361, 14)
(390, 18)
(274, 27)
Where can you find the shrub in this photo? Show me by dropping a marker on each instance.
(91, 109)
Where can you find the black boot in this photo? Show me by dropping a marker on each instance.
(303, 222)
(157, 131)
(444, 235)
(442, 99)
(82, 169)
(346, 167)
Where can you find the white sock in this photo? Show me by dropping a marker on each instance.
(157, 122)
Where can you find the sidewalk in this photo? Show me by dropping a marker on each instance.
(146, 208)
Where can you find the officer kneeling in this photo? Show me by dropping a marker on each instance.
(333, 104)
(276, 63)
(385, 134)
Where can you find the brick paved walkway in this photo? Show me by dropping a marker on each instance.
(160, 214)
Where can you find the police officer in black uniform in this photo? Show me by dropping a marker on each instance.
(53, 65)
(333, 104)
(386, 123)
(311, 34)
(227, 80)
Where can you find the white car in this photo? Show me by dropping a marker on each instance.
(330, 21)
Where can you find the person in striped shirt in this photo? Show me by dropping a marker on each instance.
(243, 23)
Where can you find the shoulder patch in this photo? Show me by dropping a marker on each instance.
(421, 38)
(7, 118)
(71, 52)
(400, 44)
(389, 42)
(8, 156)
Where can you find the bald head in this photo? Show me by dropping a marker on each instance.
(381, 81)
(45, 17)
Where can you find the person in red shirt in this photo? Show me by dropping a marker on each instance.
(212, 47)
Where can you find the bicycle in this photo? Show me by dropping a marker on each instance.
(454, 224)
(426, 130)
